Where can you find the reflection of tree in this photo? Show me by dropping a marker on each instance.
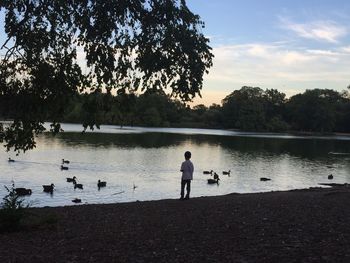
(144, 140)
(303, 148)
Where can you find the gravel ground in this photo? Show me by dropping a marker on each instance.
(296, 226)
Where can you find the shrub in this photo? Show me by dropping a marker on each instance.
(12, 210)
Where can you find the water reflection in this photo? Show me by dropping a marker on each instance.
(150, 160)
(304, 148)
(144, 140)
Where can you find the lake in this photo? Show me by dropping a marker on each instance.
(150, 159)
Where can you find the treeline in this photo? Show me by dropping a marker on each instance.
(248, 109)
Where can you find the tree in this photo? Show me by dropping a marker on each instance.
(254, 109)
(213, 116)
(244, 109)
(314, 110)
(128, 45)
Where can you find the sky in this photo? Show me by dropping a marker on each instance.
(288, 45)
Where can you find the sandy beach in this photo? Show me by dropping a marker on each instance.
(309, 225)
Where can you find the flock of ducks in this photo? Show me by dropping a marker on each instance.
(215, 179)
(50, 188)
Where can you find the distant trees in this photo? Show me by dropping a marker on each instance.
(247, 109)
(253, 109)
(318, 111)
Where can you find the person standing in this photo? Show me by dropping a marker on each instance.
(187, 176)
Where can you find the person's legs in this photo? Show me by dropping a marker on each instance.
(183, 183)
(188, 189)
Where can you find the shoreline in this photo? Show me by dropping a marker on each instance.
(307, 225)
(127, 127)
(320, 186)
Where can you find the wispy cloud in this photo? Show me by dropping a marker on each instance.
(276, 66)
(346, 49)
(326, 31)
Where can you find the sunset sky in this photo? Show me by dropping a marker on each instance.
(286, 45)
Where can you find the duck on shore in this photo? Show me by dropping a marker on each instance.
(65, 161)
(76, 200)
(48, 188)
(23, 191)
(208, 172)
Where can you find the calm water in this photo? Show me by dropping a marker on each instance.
(151, 159)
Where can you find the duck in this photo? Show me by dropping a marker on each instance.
(226, 172)
(264, 179)
(80, 186)
(208, 172)
(76, 200)
(70, 180)
(215, 180)
(216, 176)
(48, 188)
(23, 191)
(65, 161)
(11, 160)
(101, 184)
(330, 177)
(64, 167)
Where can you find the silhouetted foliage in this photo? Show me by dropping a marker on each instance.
(127, 46)
(12, 210)
(253, 109)
(247, 109)
(314, 110)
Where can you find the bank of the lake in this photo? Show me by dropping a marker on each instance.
(294, 226)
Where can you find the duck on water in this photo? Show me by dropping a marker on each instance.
(71, 180)
(226, 172)
(101, 184)
(79, 186)
(64, 167)
(215, 180)
(23, 191)
(48, 188)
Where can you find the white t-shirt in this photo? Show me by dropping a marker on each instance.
(187, 170)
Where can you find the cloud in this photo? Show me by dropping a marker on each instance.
(323, 52)
(325, 31)
(276, 66)
(346, 49)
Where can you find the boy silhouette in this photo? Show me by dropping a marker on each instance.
(187, 176)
